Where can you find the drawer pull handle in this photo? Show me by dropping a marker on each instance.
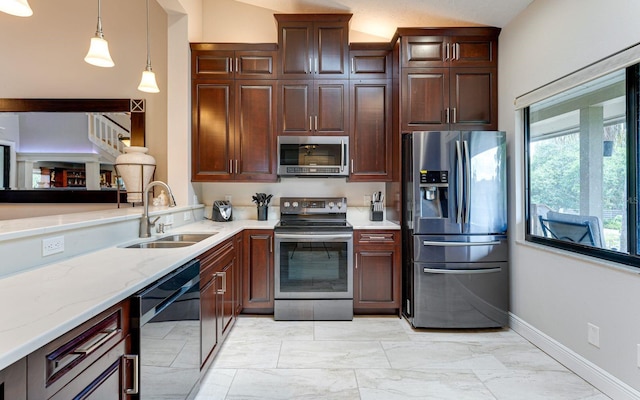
(377, 237)
(107, 334)
(223, 276)
(135, 385)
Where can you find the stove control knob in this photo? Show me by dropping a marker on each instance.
(332, 204)
(287, 204)
(339, 204)
(295, 204)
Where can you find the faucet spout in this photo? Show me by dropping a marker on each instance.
(145, 222)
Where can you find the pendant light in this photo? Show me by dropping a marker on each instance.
(98, 54)
(19, 8)
(148, 82)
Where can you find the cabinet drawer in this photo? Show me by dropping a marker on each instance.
(56, 364)
(366, 236)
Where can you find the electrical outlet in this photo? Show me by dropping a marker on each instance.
(53, 245)
(187, 215)
(227, 197)
(593, 334)
(168, 219)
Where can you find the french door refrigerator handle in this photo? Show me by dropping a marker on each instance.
(467, 182)
(460, 244)
(459, 184)
(461, 271)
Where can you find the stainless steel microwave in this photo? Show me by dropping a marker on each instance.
(313, 156)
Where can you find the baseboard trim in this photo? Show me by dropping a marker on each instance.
(596, 376)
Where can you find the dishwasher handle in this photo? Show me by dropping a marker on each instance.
(461, 271)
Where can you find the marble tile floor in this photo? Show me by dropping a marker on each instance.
(373, 358)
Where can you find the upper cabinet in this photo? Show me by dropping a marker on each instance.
(449, 79)
(226, 61)
(313, 46)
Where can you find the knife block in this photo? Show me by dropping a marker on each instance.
(374, 215)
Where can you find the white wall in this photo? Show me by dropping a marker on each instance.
(556, 293)
(43, 57)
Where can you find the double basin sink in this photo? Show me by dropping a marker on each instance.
(172, 241)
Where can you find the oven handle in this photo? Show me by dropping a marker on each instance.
(325, 238)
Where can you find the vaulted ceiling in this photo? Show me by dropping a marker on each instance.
(382, 17)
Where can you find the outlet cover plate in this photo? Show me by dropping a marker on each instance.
(593, 334)
(52, 245)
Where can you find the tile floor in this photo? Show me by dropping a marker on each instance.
(373, 358)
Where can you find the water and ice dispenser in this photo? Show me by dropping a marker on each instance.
(434, 194)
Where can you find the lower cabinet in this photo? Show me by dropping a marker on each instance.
(377, 272)
(218, 301)
(257, 271)
(88, 362)
(13, 381)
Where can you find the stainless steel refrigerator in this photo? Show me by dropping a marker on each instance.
(455, 255)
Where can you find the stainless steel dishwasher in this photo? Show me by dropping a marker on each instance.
(166, 334)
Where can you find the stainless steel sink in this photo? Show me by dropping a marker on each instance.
(172, 241)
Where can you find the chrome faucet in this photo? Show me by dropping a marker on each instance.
(145, 222)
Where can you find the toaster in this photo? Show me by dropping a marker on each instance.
(222, 211)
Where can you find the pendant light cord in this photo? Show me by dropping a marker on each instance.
(148, 45)
(99, 28)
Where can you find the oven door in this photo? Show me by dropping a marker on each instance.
(314, 266)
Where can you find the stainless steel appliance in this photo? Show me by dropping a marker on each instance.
(222, 211)
(313, 156)
(314, 260)
(455, 258)
(166, 329)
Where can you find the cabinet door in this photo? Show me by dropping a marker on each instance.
(474, 102)
(296, 49)
(255, 153)
(474, 51)
(370, 64)
(295, 107)
(216, 64)
(212, 130)
(13, 381)
(331, 47)
(226, 292)
(209, 311)
(377, 272)
(256, 65)
(238, 277)
(371, 141)
(425, 99)
(425, 51)
(258, 271)
(331, 107)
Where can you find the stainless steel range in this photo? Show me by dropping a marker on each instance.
(314, 260)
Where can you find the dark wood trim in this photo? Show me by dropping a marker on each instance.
(487, 31)
(61, 196)
(234, 46)
(312, 17)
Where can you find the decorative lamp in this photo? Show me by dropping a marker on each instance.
(19, 8)
(98, 54)
(148, 82)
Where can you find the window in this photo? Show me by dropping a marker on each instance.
(579, 144)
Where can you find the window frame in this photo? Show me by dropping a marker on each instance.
(632, 78)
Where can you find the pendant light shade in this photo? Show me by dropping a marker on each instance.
(19, 8)
(98, 54)
(148, 82)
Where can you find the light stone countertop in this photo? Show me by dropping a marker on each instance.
(40, 304)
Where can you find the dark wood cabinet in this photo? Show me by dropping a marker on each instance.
(377, 272)
(233, 112)
(218, 269)
(307, 107)
(91, 359)
(313, 46)
(238, 277)
(233, 133)
(13, 381)
(371, 133)
(449, 78)
(234, 61)
(258, 271)
(370, 61)
(449, 99)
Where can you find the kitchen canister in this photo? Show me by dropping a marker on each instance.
(136, 169)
